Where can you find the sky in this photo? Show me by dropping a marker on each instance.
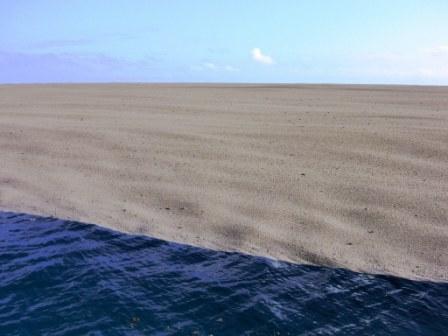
(281, 41)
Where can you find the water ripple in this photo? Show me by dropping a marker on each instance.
(67, 278)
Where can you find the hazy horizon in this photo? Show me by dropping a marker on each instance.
(348, 42)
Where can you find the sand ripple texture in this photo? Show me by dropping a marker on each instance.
(345, 176)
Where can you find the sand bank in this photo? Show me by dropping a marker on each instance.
(348, 176)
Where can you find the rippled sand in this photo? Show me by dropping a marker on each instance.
(349, 176)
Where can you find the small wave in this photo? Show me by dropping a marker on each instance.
(67, 278)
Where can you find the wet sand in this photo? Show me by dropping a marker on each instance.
(345, 176)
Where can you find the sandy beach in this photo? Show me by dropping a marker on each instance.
(344, 176)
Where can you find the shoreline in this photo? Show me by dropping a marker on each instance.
(321, 174)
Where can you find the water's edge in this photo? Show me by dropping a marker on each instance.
(217, 249)
(63, 277)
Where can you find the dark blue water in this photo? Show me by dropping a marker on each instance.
(67, 278)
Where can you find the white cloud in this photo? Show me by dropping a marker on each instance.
(210, 66)
(215, 67)
(230, 68)
(258, 56)
(439, 50)
(422, 66)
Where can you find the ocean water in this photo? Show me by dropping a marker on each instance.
(67, 278)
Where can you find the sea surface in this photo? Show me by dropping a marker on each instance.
(67, 278)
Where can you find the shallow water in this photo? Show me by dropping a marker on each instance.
(67, 278)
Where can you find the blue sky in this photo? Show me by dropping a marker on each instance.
(344, 41)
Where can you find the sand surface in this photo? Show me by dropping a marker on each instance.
(346, 176)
